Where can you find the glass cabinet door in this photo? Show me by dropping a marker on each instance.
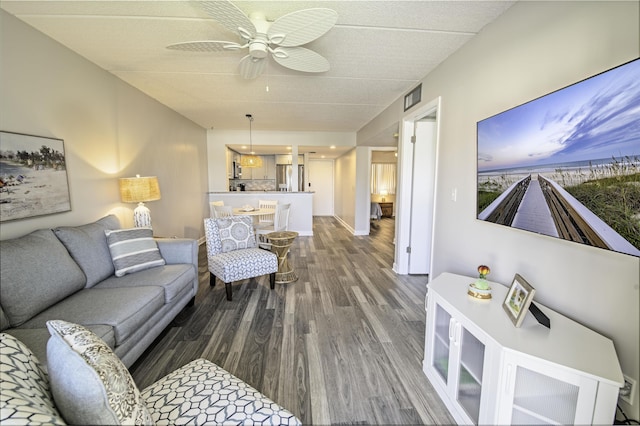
(470, 374)
(441, 343)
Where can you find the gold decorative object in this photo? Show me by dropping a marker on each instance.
(250, 161)
(480, 289)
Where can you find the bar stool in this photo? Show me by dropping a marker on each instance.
(281, 241)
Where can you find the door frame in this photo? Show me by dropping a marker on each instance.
(405, 177)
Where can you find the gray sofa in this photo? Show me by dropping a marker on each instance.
(68, 273)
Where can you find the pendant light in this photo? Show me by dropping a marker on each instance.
(250, 160)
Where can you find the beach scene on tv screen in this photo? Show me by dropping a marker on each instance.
(567, 164)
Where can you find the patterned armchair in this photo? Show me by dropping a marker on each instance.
(233, 254)
(87, 383)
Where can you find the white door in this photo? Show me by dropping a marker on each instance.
(416, 193)
(321, 182)
(424, 160)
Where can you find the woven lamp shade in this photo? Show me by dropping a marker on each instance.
(139, 189)
(251, 161)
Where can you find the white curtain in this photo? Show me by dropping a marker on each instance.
(383, 178)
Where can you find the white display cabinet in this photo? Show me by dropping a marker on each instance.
(489, 372)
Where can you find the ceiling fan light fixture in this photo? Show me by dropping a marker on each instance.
(258, 49)
(250, 161)
(281, 38)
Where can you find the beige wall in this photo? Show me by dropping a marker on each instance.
(533, 49)
(110, 130)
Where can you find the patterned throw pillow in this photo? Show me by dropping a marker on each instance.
(25, 397)
(236, 233)
(133, 250)
(89, 383)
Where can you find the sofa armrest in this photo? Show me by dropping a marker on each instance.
(179, 250)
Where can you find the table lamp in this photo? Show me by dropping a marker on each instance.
(383, 194)
(140, 190)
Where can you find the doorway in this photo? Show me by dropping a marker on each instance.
(417, 165)
(321, 182)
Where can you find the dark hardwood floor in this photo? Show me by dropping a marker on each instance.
(343, 344)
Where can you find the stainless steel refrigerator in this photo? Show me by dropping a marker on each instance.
(283, 177)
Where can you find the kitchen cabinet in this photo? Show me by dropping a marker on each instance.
(487, 371)
(288, 159)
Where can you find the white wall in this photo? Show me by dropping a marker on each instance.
(532, 49)
(110, 130)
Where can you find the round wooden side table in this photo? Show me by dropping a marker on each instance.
(281, 241)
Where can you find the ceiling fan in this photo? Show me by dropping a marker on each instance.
(282, 39)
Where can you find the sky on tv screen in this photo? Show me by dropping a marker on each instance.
(597, 118)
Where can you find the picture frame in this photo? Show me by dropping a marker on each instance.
(33, 176)
(519, 297)
(413, 97)
(580, 162)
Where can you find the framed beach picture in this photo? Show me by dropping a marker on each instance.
(519, 297)
(567, 164)
(33, 176)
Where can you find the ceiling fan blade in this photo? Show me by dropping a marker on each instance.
(302, 26)
(251, 67)
(205, 46)
(300, 59)
(229, 16)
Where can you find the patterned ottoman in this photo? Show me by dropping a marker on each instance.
(203, 393)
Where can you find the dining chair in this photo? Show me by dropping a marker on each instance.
(281, 223)
(211, 209)
(222, 211)
(232, 254)
(266, 219)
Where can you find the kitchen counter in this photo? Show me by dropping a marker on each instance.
(300, 215)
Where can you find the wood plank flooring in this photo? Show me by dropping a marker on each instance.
(342, 345)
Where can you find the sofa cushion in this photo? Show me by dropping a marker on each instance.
(125, 309)
(36, 272)
(4, 321)
(89, 382)
(203, 393)
(25, 397)
(236, 233)
(36, 339)
(133, 250)
(87, 244)
(172, 278)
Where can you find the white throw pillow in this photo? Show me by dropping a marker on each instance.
(89, 383)
(133, 250)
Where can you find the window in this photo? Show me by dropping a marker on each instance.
(383, 178)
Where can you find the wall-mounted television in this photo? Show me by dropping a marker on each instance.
(567, 164)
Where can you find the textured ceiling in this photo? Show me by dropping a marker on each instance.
(378, 51)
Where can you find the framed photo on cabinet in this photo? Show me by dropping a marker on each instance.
(519, 297)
